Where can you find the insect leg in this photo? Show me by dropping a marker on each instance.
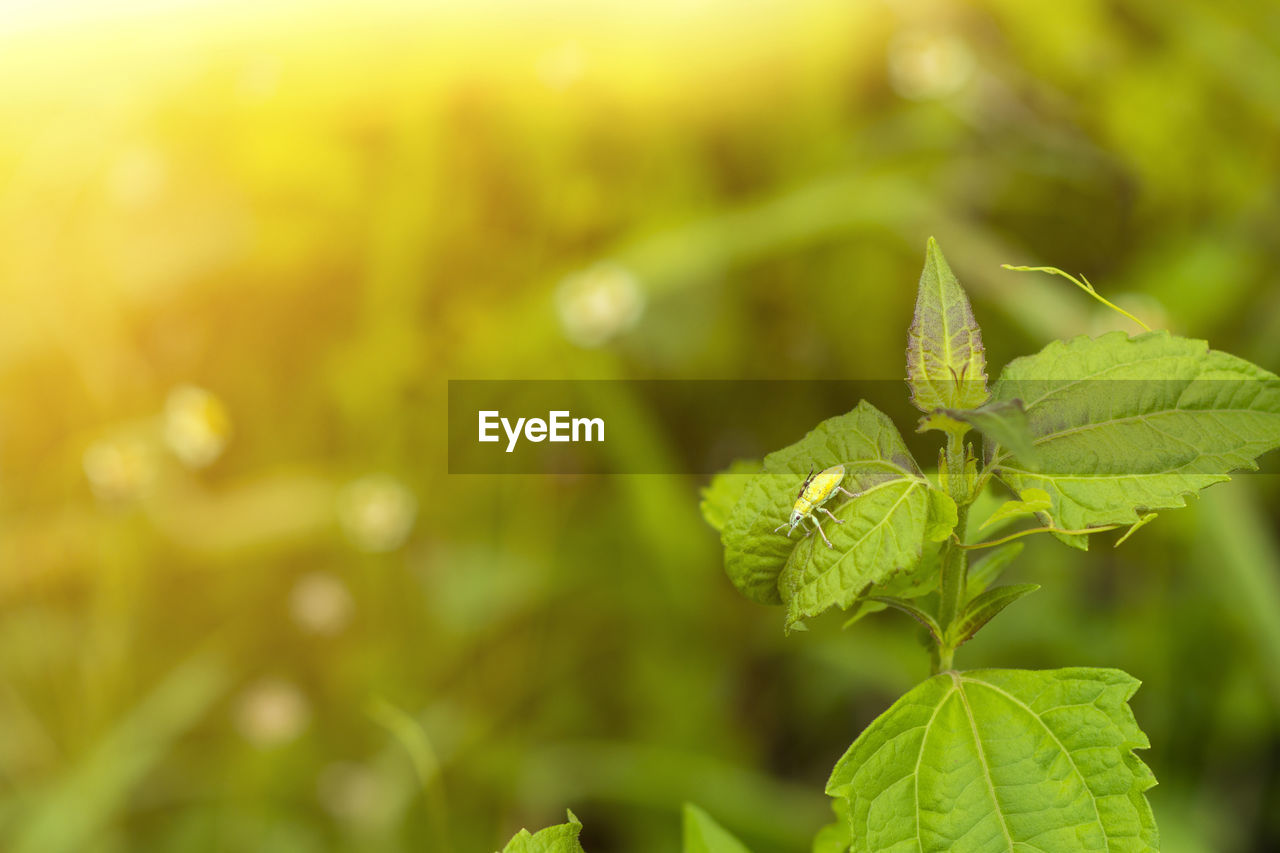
(847, 492)
(823, 533)
(828, 512)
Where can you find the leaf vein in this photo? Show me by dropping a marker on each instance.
(1093, 799)
(982, 757)
(920, 757)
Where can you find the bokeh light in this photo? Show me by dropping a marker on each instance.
(271, 712)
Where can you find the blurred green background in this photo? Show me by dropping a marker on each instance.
(244, 607)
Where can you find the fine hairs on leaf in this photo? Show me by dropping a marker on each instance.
(1086, 436)
(946, 362)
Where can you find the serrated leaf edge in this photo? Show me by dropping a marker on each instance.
(1143, 779)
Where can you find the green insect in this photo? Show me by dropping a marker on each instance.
(815, 491)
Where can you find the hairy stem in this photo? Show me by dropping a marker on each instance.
(954, 559)
(955, 571)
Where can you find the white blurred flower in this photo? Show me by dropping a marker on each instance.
(599, 303)
(926, 65)
(352, 792)
(377, 512)
(320, 603)
(196, 425)
(120, 468)
(271, 712)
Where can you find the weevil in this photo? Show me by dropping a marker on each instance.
(815, 491)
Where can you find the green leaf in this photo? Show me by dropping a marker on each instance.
(704, 835)
(725, 490)
(866, 442)
(1002, 422)
(1134, 528)
(943, 516)
(984, 607)
(835, 837)
(926, 620)
(883, 532)
(1033, 501)
(985, 571)
(1001, 760)
(554, 839)
(946, 364)
(1124, 425)
(943, 420)
(917, 583)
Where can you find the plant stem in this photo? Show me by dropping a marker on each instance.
(1083, 285)
(991, 543)
(954, 559)
(952, 586)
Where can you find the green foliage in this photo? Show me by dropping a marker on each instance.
(701, 835)
(1032, 501)
(1135, 527)
(725, 490)
(984, 571)
(983, 608)
(704, 835)
(921, 615)
(562, 838)
(78, 807)
(901, 586)
(884, 529)
(946, 363)
(1002, 422)
(1089, 433)
(1127, 424)
(998, 760)
(944, 515)
(835, 837)
(883, 532)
